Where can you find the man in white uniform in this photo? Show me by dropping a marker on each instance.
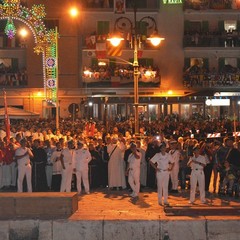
(162, 162)
(175, 153)
(81, 158)
(133, 169)
(23, 155)
(66, 159)
(197, 163)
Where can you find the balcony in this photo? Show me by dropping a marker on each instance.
(197, 77)
(199, 5)
(108, 5)
(10, 78)
(211, 39)
(120, 76)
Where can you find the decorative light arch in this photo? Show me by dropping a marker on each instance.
(45, 40)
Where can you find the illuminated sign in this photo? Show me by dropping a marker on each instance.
(172, 1)
(217, 102)
(226, 94)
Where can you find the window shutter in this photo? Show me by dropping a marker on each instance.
(102, 27)
(221, 64)
(205, 26)
(221, 26)
(15, 64)
(206, 63)
(186, 63)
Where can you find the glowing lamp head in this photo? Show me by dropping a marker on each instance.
(23, 32)
(115, 40)
(155, 39)
(73, 12)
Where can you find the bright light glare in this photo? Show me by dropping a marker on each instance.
(90, 104)
(156, 40)
(115, 41)
(73, 12)
(23, 32)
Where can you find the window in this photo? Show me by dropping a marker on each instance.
(102, 27)
(230, 25)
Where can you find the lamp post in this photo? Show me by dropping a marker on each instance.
(74, 12)
(122, 24)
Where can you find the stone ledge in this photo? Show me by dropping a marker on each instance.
(44, 205)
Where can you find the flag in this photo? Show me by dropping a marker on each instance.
(101, 51)
(91, 42)
(114, 51)
(6, 117)
(140, 53)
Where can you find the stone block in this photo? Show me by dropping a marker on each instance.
(119, 230)
(77, 230)
(182, 230)
(223, 229)
(4, 230)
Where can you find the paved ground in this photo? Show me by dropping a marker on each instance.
(110, 205)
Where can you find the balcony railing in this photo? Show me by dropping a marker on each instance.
(120, 77)
(10, 78)
(212, 39)
(108, 5)
(202, 78)
(211, 4)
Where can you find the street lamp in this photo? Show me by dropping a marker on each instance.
(124, 24)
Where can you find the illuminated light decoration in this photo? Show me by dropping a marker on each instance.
(44, 39)
(51, 62)
(38, 11)
(10, 29)
(51, 83)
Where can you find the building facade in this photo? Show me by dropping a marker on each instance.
(199, 60)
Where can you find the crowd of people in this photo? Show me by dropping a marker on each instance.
(163, 156)
(197, 76)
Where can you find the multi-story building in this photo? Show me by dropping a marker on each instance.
(197, 61)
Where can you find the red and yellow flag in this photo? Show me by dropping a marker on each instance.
(114, 51)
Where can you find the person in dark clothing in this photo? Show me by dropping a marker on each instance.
(219, 156)
(152, 149)
(207, 151)
(101, 148)
(233, 155)
(127, 152)
(39, 161)
(94, 167)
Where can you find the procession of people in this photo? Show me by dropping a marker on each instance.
(169, 156)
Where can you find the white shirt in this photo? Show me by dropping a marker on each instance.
(175, 155)
(134, 163)
(162, 161)
(200, 159)
(24, 161)
(81, 158)
(67, 156)
(57, 166)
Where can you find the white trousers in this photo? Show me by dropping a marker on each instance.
(22, 171)
(134, 181)
(66, 179)
(82, 175)
(162, 184)
(197, 176)
(174, 177)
